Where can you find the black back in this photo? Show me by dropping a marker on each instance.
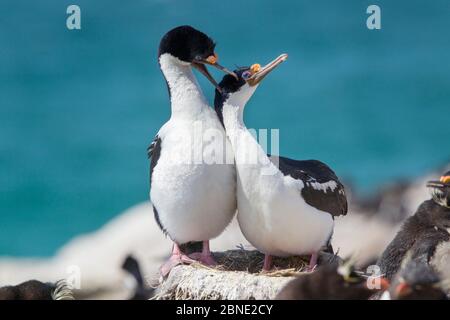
(313, 171)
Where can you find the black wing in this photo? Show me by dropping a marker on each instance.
(313, 172)
(153, 152)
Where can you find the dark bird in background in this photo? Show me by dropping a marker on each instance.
(422, 233)
(142, 292)
(417, 281)
(330, 283)
(36, 290)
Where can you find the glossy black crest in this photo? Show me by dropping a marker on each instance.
(187, 44)
(229, 84)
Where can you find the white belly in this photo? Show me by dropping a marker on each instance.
(276, 220)
(195, 202)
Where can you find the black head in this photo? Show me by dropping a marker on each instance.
(244, 80)
(440, 190)
(187, 44)
(193, 47)
(228, 86)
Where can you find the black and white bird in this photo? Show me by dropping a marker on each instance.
(425, 236)
(192, 172)
(285, 207)
(141, 290)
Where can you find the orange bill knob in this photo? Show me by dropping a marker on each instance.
(445, 179)
(255, 68)
(212, 59)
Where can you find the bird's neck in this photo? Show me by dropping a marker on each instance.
(249, 155)
(186, 96)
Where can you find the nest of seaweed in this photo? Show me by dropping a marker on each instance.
(238, 275)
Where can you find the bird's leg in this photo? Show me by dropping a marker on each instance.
(205, 257)
(267, 262)
(175, 259)
(313, 262)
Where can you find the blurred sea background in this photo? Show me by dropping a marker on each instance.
(78, 108)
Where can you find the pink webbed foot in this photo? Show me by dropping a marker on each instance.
(205, 257)
(267, 263)
(312, 262)
(175, 259)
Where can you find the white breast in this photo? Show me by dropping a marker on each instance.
(195, 197)
(195, 201)
(276, 220)
(271, 212)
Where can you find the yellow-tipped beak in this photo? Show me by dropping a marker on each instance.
(259, 73)
(212, 60)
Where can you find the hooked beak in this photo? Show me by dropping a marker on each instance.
(212, 61)
(202, 68)
(259, 75)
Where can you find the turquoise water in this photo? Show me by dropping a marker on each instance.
(78, 108)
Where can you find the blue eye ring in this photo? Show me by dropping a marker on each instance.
(246, 75)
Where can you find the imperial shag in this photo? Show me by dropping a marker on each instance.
(285, 207)
(193, 180)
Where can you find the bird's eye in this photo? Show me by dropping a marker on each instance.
(246, 75)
